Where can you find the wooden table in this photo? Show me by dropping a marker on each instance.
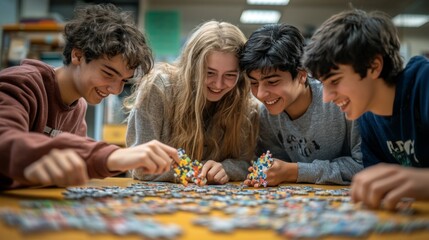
(11, 199)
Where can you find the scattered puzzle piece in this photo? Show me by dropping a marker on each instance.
(126, 210)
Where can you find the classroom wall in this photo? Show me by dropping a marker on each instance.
(11, 10)
(8, 14)
(417, 45)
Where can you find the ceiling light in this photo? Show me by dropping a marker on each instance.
(260, 16)
(267, 2)
(410, 20)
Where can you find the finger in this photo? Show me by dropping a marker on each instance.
(36, 174)
(55, 173)
(354, 190)
(152, 161)
(247, 182)
(217, 176)
(362, 181)
(224, 179)
(171, 153)
(61, 159)
(358, 188)
(393, 197)
(80, 169)
(380, 188)
(167, 164)
(30, 173)
(148, 165)
(221, 177)
(206, 167)
(216, 167)
(160, 158)
(270, 174)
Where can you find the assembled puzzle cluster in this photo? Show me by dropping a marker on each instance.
(187, 170)
(257, 176)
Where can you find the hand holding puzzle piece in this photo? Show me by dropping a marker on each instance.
(257, 176)
(187, 170)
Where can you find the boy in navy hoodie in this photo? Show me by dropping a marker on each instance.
(356, 56)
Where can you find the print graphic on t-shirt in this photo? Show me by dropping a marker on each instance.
(402, 151)
(51, 132)
(303, 146)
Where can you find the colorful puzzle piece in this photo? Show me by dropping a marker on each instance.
(187, 170)
(257, 176)
(128, 210)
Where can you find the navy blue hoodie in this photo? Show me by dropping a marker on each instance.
(402, 138)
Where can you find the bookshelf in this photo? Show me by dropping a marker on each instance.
(31, 40)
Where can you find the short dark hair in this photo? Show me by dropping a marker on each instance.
(355, 38)
(273, 47)
(104, 30)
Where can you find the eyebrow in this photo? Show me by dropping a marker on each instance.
(234, 70)
(265, 77)
(116, 71)
(328, 75)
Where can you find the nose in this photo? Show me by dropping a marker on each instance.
(219, 81)
(328, 94)
(261, 92)
(116, 88)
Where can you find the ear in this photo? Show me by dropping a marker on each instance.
(376, 67)
(76, 56)
(302, 76)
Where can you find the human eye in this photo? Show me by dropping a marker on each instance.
(231, 76)
(254, 83)
(211, 73)
(273, 82)
(106, 73)
(334, 81)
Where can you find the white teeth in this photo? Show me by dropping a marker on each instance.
(101, 93)
(215, 90)
(272, 102)
(343, 103)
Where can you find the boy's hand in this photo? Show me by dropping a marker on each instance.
(384, 185)
(60, 167)
(214, 172)
(280, 172)
(153, 157)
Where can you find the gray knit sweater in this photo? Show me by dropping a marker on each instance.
(323, 142)
(148, 122)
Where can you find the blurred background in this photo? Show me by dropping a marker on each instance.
(168, 22)
(32, 29)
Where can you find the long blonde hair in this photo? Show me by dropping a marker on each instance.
(217, 131)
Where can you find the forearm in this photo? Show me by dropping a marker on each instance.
(236, 169)
(339, 171)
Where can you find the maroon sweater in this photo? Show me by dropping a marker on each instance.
(34, 120)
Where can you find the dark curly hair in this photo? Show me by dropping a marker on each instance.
(273, 47)
(355, 38)
(104, 30)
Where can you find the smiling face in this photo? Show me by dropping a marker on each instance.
(222, 74)
(349, 91)
(95, 80)
(279, 92)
